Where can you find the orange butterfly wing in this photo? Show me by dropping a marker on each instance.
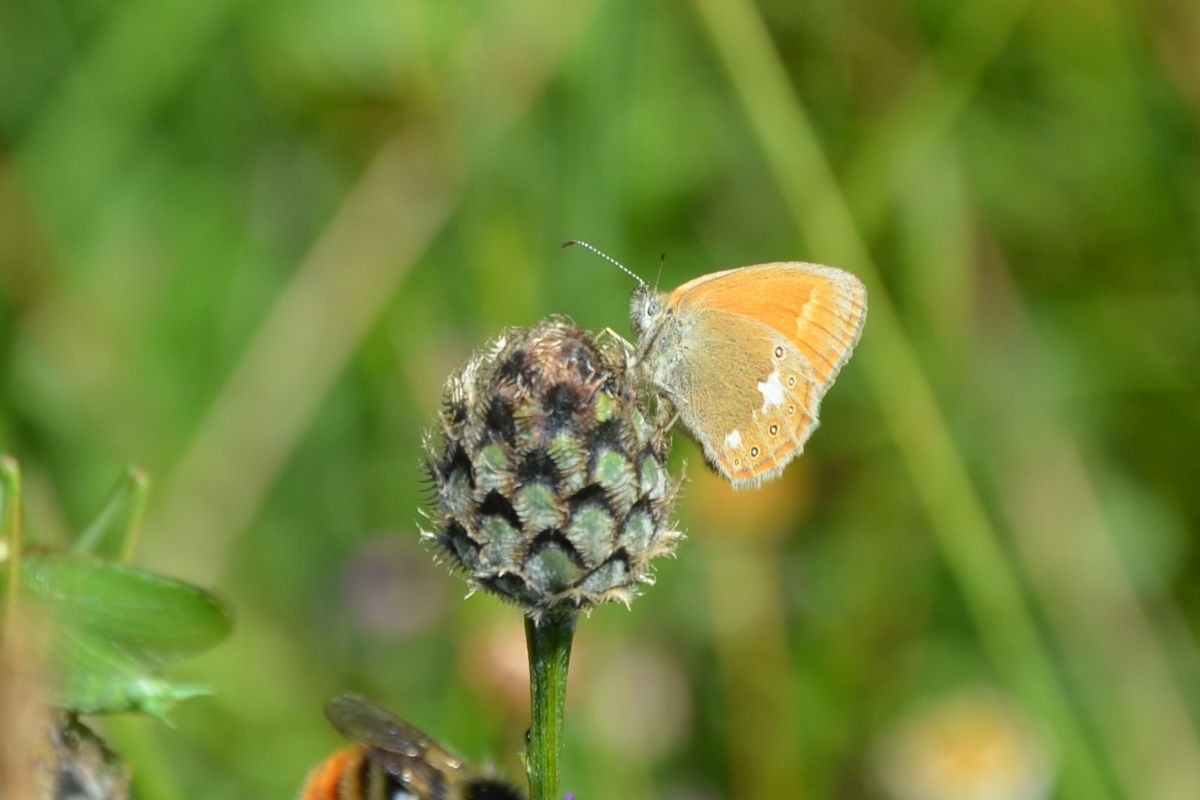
(819, 309)
(814, 315)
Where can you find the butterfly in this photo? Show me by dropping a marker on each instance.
(746, 355)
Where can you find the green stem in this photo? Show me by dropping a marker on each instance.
(10, 536)
(549, 642)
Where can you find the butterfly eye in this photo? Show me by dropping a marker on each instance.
(644, 307)
(779, 352)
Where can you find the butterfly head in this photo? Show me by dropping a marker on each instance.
(645, 310)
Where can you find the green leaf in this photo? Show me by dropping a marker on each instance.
(116, 627)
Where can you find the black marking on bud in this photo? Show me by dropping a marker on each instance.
(500, 420)
(515, 367)
(456, 460)
(456, 539)
(538, 467)
(497, 505)
(591, 495)
(562, 403)
(552, 537)
(642, 504)
(608, 434)
(507, 584)
(617, 563)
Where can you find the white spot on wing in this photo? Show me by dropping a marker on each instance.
(734, 439)
(772, 391)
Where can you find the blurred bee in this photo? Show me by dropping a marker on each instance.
(392, 760)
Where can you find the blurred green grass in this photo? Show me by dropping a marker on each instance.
(241, 244)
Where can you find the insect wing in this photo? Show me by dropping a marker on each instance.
(820, 310)
(400, 748)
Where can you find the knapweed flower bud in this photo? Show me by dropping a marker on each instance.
(549, 473)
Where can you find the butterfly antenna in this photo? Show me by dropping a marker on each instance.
(607, 258)
(662, 259)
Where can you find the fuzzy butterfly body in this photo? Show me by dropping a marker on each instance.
(746, 355)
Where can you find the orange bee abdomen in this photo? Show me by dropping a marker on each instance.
(325, 782)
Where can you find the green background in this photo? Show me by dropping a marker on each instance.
(243, 243)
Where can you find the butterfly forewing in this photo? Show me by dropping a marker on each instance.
(819, 309)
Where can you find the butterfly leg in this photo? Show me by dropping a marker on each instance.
(609, 333)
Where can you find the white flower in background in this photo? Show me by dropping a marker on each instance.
(974, 745)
